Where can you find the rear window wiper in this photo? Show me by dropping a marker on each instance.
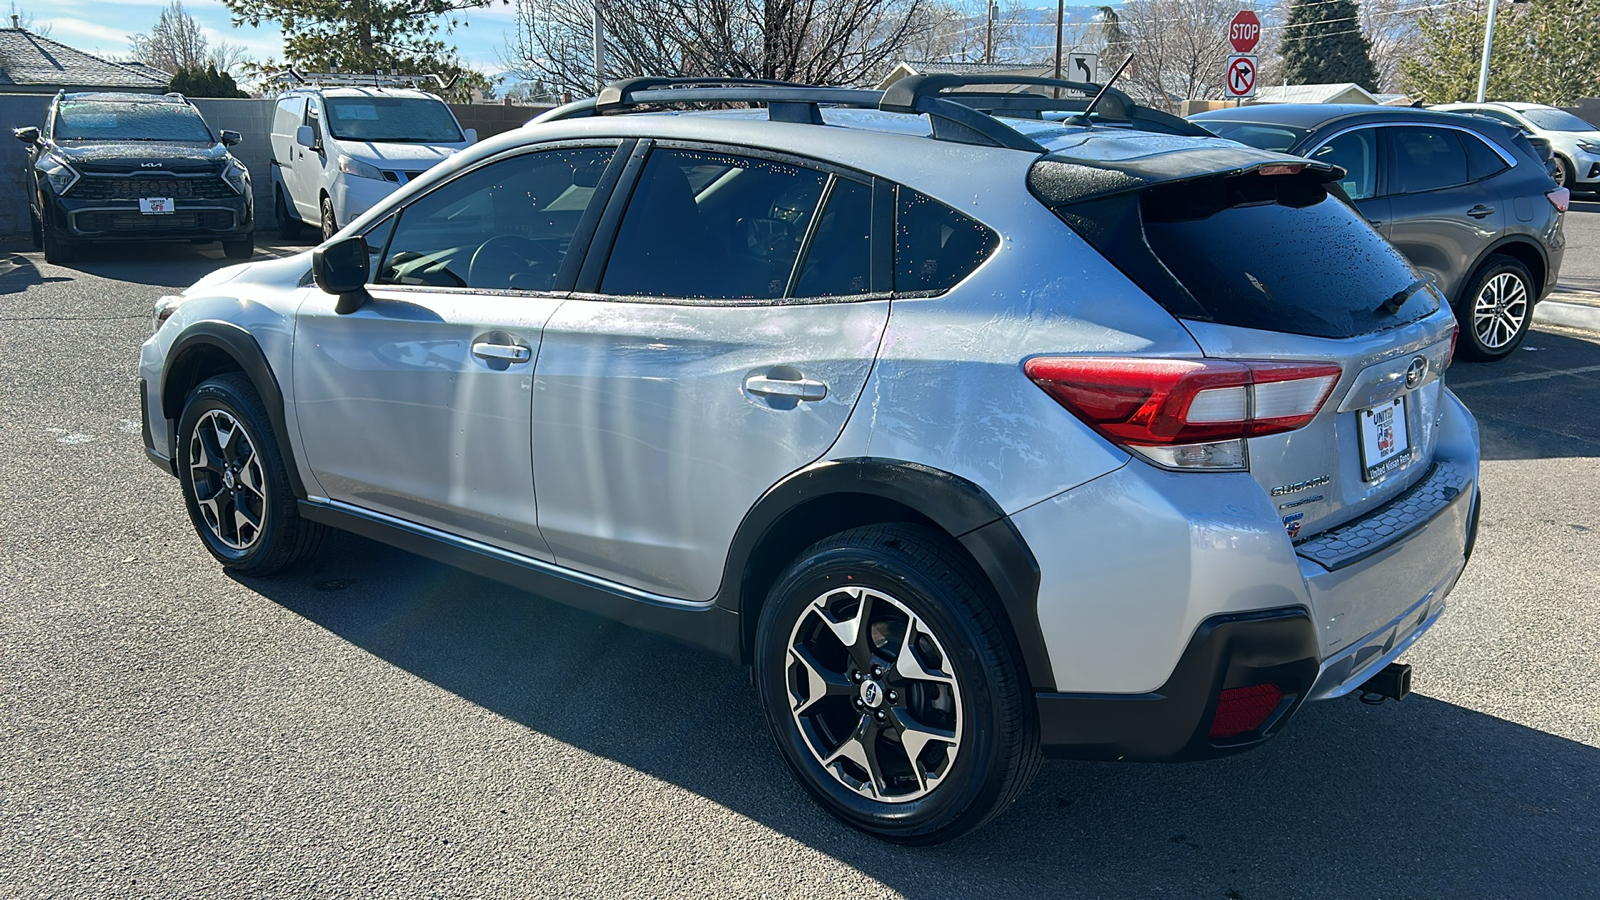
(1392, 305)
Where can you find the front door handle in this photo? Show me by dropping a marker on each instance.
(1480, 211)
(799, 388)
(504, 352)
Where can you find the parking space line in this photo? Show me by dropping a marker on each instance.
(1529, 376)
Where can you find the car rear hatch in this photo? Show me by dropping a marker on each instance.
(1328, 346)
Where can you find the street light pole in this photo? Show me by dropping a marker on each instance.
(1061, 12)
(988, 41)
(599, 49)
(1488, 41)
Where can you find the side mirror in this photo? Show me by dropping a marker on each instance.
(28, 135)
(230, 138)
(472, 135)
(306, 137)
(340, 267)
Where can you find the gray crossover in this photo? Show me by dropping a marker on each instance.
(979, 436)
(1467, 199)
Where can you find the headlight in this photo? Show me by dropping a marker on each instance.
(358, 168)
(55, 169)
(237, 176)
(164, 309)
(1589, 146)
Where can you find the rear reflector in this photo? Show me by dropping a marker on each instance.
(1242, 710)
(1164, 402)
(1560, 198)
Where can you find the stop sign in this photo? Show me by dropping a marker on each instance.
(1244, 31)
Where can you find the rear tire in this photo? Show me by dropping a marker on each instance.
(234, 482)
(56, 251)
(913, 741)
(1496, 310)
(244, 248)
(288, 224)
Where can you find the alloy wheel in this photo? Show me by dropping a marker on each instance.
(229, 484)
(330, 226)
(1500, 310)
(873, 693)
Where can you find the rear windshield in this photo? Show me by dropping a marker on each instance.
(111, 121)
(392, 120)
(1277, 138)
(1557, 120)
(1277, 253)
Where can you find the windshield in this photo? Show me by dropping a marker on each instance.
(1557, 120)
(1276, 138)
(111, 121)
(395, 120)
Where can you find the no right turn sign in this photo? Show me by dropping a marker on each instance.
(1239, 79)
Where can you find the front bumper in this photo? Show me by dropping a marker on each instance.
(121, 220)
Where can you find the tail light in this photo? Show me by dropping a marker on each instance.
(1455, 333)
(1560, 198)
(1186, 413)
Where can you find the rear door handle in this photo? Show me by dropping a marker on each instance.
(506, 352)
(1480, 211)
(800, 389)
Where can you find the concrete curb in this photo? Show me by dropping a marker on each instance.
(1568, 315)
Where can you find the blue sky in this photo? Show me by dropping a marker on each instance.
(102, 27)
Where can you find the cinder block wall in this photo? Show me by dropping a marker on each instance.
(251, 118)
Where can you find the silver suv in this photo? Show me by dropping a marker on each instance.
(975, 434)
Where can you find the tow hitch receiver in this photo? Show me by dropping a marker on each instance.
(1393, 682)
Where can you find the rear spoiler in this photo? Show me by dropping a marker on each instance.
(1058, 179)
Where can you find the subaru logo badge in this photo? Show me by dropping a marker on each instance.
(870, 693)
(1416, 372)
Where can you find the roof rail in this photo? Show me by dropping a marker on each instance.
(790, 102)
(292, 77)
(1114, 106)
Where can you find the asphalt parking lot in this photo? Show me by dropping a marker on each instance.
(380, 725)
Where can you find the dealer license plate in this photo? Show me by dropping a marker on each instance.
(1385, 445)
(156, 206)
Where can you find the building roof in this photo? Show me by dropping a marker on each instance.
(905, 69)
(31, 61)
(1315, 93)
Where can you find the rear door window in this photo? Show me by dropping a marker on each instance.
(936, 246)
(717, 226)
(1357, 153)
(1426, 159)
(839, 259)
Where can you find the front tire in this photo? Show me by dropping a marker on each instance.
(893, 687)
(1564, 174)
(1496, 310)
(35, 230)
(56, 251)
(330, 224)
(234, 482)
(243, 248)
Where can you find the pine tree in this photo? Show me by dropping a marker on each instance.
(1323, 44)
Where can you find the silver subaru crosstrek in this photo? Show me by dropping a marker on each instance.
(977, 434)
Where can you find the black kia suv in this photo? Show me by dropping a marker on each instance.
(134, 167)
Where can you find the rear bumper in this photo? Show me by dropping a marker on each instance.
(1172, 723)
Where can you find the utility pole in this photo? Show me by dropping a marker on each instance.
(1061, 12)
(1488, 41)
(988, 42)
(599, 49)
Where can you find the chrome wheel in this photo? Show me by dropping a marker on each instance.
(1500, 310)
(229, 484)
(874, 695)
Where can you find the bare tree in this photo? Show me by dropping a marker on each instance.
(1179, 47)
(228, 57)
(1391, 26)
(811, 41)
(174, 42)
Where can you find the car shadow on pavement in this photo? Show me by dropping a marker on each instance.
(18, 273)
(1535, 403)
(1422, 798)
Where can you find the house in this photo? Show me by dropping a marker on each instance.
(1315, 93)
(34, 64)
(907, 69)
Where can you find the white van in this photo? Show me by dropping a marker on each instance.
(336, 151)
